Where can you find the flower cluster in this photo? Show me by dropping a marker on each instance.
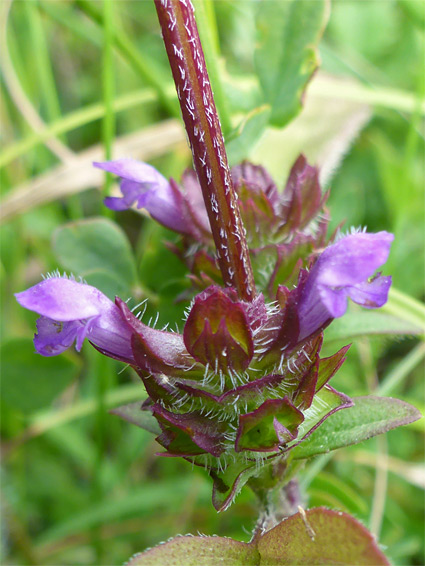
(282, 228)
(244, 382)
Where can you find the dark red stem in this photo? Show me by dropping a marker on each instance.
(186, 57)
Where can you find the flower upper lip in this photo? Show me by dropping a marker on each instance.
(142, 185)
(85, 313)
(344, 270)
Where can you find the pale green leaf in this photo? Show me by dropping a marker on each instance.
(194, 551)
(286, 56)
(134, 414)
(320, 536)
(367, 323)
(29, 381)
(368, 417)
(95, 244)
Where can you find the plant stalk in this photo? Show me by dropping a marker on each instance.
(203, 128)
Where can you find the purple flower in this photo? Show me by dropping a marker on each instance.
(344, 270)
(143, 185)
(72, 311)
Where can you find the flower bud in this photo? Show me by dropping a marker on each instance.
(217, 332)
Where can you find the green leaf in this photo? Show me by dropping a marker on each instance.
(194, 551)
(406, 307)
(319, 536)
(31, 382)
(366, 323)
(247, 134)
(415, 10)
(227, 484)
(340, 491)
(110, 284)
(368, 417)
(325, 403)
(134, 414)
(95, 244)
(286, 57)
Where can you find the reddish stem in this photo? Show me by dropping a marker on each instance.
(186, 57)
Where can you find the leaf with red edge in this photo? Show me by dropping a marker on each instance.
(326, 402)
(329, 366)
(228, 484)
(368, 417)
(190, 433)
(205, 271)
(197, 551)
(320, 536)
(157, 350)
(273, 424)
(304, 394)
(303, 193)
(257, 210)
(157, 387)
(290, 258)
(288, 323)
(251, 176)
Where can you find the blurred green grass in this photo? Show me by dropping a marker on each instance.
(78, 485)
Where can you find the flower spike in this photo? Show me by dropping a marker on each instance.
(244, 383)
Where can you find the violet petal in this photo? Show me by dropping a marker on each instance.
(144, 185)
(54, 337)
(353, 259)
(115, 203)
(133, 170)
(371, 294)
(342, 271)
(74, 311)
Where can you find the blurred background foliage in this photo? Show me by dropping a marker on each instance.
(78, 485)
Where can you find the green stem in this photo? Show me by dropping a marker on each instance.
(45, 78)
(398, 374)
(108, 130)
(48, 88)
(380, 488)
(100, 372)
(146, 69)
(75, 120)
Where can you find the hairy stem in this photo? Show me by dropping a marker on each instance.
(202, 124)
